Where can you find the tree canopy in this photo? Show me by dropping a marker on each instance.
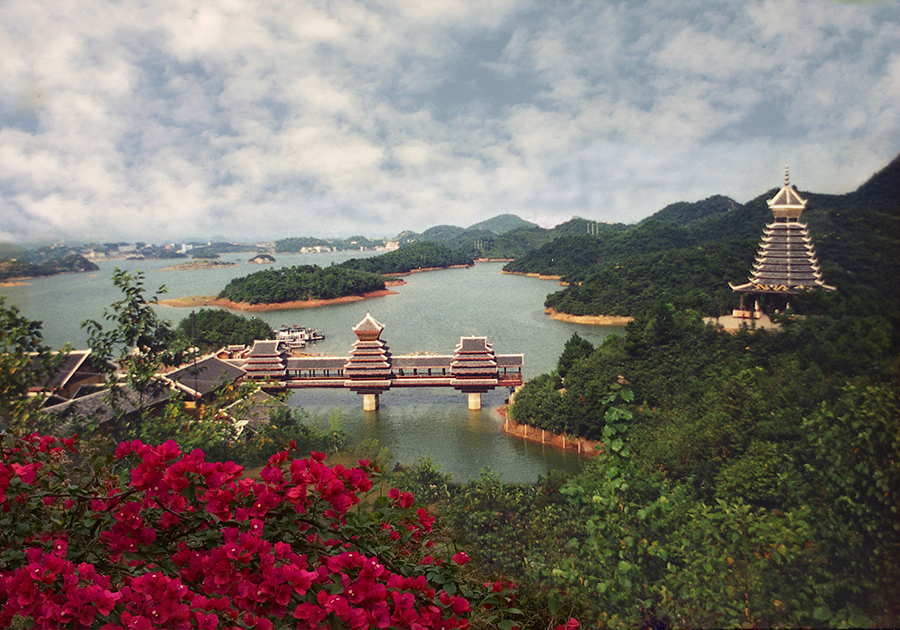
(302, 282)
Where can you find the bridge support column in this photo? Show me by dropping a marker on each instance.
(474, 402)
(370, 402)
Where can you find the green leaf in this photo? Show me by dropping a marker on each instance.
(822, 614)
(553, 605)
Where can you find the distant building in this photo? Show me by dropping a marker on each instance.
(786, 261)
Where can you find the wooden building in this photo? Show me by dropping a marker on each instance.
(786, 261)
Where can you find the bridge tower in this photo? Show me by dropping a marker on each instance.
(368, 369)
(474, 369)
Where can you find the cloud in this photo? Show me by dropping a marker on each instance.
(263, 120)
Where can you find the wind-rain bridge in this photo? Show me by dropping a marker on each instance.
(371, 369)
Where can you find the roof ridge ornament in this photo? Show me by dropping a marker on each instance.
(787, 175)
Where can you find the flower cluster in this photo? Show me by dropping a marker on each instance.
(150, 537)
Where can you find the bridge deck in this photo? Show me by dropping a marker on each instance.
(341, 382)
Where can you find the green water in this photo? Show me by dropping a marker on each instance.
(428, 314)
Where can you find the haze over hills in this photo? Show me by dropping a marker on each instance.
(573, 247)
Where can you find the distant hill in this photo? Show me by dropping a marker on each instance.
(684, 212)
(66, 264)
(441, 233)
(505, 236)
(10, 250)
(503, 223)
(687, 253)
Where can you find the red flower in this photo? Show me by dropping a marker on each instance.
(460, 558)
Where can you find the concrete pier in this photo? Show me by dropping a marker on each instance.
(474, 402)
(370, 402)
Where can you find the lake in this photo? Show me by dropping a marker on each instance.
(428, 314)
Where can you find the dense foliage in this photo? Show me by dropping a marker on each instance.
(143, 536)
(745, 478)
(695, 278)
(583, 245)
(211, 329)
(408, 258)
(303, 282)
(20, 341)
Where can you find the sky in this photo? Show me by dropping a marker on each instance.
(168, 120)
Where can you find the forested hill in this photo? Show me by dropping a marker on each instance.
(410, 258)
(581, 244)
(689, 262)
(66, 264)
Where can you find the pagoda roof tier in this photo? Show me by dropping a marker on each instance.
(787, 204)
(368, 329)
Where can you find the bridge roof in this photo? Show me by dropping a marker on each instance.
(422, 361)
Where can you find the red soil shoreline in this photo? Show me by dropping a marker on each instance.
(532, 434)
(209, 300)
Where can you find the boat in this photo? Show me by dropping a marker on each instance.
(298, 336)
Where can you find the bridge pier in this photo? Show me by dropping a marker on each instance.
(474, 401)
(370, 402)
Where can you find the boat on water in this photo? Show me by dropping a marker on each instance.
(298, 336)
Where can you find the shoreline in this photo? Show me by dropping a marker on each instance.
(581, 446)
(535, 275)
(211, 300)
(423, 269)
(199, 264)
(590, 320)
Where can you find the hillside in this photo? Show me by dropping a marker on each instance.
(503, 223)
(422, 255)
(677, 254)
(66, 264)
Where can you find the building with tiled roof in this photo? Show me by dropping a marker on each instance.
(786, 261)
(201, 378)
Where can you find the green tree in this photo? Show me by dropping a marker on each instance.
(25, 363)
(576, 349)
(211, 329)
(138, 341)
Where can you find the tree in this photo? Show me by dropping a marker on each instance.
(25, 363)
(576, 349)
(139, 341)
(210, 329)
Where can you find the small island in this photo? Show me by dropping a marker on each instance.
(200, 263)
(262, 259)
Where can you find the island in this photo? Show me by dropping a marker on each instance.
(301, 286)
(262, 259)
(200, 263)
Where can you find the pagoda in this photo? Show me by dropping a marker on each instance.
(785, 261)
(368, 370)
(474, 369)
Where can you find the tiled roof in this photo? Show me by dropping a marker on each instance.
(206, 375)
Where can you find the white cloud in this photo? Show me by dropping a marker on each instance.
(169, 120)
